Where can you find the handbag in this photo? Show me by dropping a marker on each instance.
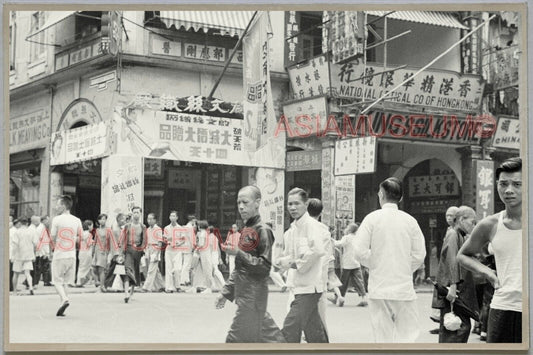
(451, 321)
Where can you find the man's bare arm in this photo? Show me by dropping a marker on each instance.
(481, 235)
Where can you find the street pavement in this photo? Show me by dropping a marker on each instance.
(95, 317)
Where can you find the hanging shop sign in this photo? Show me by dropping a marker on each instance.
(431, 89)
(190, 137)
(306, 113)
(504, 73)
(345, 34)
(258, 104)
(80, 144)
(271, 182)
(355, 156)
(507, 133)
(433, 185)
(310, 79)
(292, 47)
(345, 196)
(304, 160)
(122, 187)
(484, 170)
(29, 131)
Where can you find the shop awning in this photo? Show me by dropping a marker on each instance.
(53, 18)
(228, 22)
(436, 18)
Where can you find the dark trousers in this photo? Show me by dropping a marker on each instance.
(504, 326)
(303, 316)
(458, 336)
(484, 294)
(248, 322)
(41, 268)
(354, 275)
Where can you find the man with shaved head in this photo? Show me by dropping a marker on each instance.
(247, 284)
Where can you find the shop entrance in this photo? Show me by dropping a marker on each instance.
(82, 181)
(429, 189)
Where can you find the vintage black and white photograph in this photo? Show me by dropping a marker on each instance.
(335, 177)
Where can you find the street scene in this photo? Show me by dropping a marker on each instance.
(266, 176)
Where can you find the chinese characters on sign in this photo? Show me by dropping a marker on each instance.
(29, 131)
(484, 170)
(79, 144)
(433, 185)
(198, 51)
(355, 156)
(304, 160)
(310, 79)
(307, 112)
(438, 89)
(345, 33)
(291, 38)
(259, 117)
(74, 56)
(123, 187)
(507, 133)
(328, 187)
(504, 73)
(153, 167)
(163, 46)
(183, 178)
(345, 196)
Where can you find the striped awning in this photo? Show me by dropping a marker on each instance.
(231, 23)
(436, 18)
(52, 19)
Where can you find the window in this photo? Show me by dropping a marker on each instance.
(37, 50)
(88, 23)
(12, 34)
(310, 34)
(24, 191)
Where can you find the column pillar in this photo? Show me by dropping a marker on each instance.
(56, 190)
(468, 155)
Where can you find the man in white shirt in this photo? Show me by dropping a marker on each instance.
(304, 254)
(43, 252)
(392, 243)
(154, 280)
(177, 254)
(64, 231)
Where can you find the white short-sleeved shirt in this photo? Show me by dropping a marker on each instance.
(65, 228)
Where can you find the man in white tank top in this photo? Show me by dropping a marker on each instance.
(504, 231)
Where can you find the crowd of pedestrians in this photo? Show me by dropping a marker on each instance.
(479, 274)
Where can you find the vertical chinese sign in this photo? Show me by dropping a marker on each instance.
(345, 34)
(484, 170)
(122, 184)
(259, 117)
(271, 182)
(292, 28)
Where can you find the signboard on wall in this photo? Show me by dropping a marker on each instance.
(484, 170)
(79, 144)
(436, 89)
(507, 133)
(345, 196)
(433, 185)
(304, 160)
(310, 112)
(345, 34)
(292, 28)
(29, 131)
(310, 79)
(355, 156)
(191, 137)
(183, 178)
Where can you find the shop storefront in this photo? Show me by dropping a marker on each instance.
(29, 132)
